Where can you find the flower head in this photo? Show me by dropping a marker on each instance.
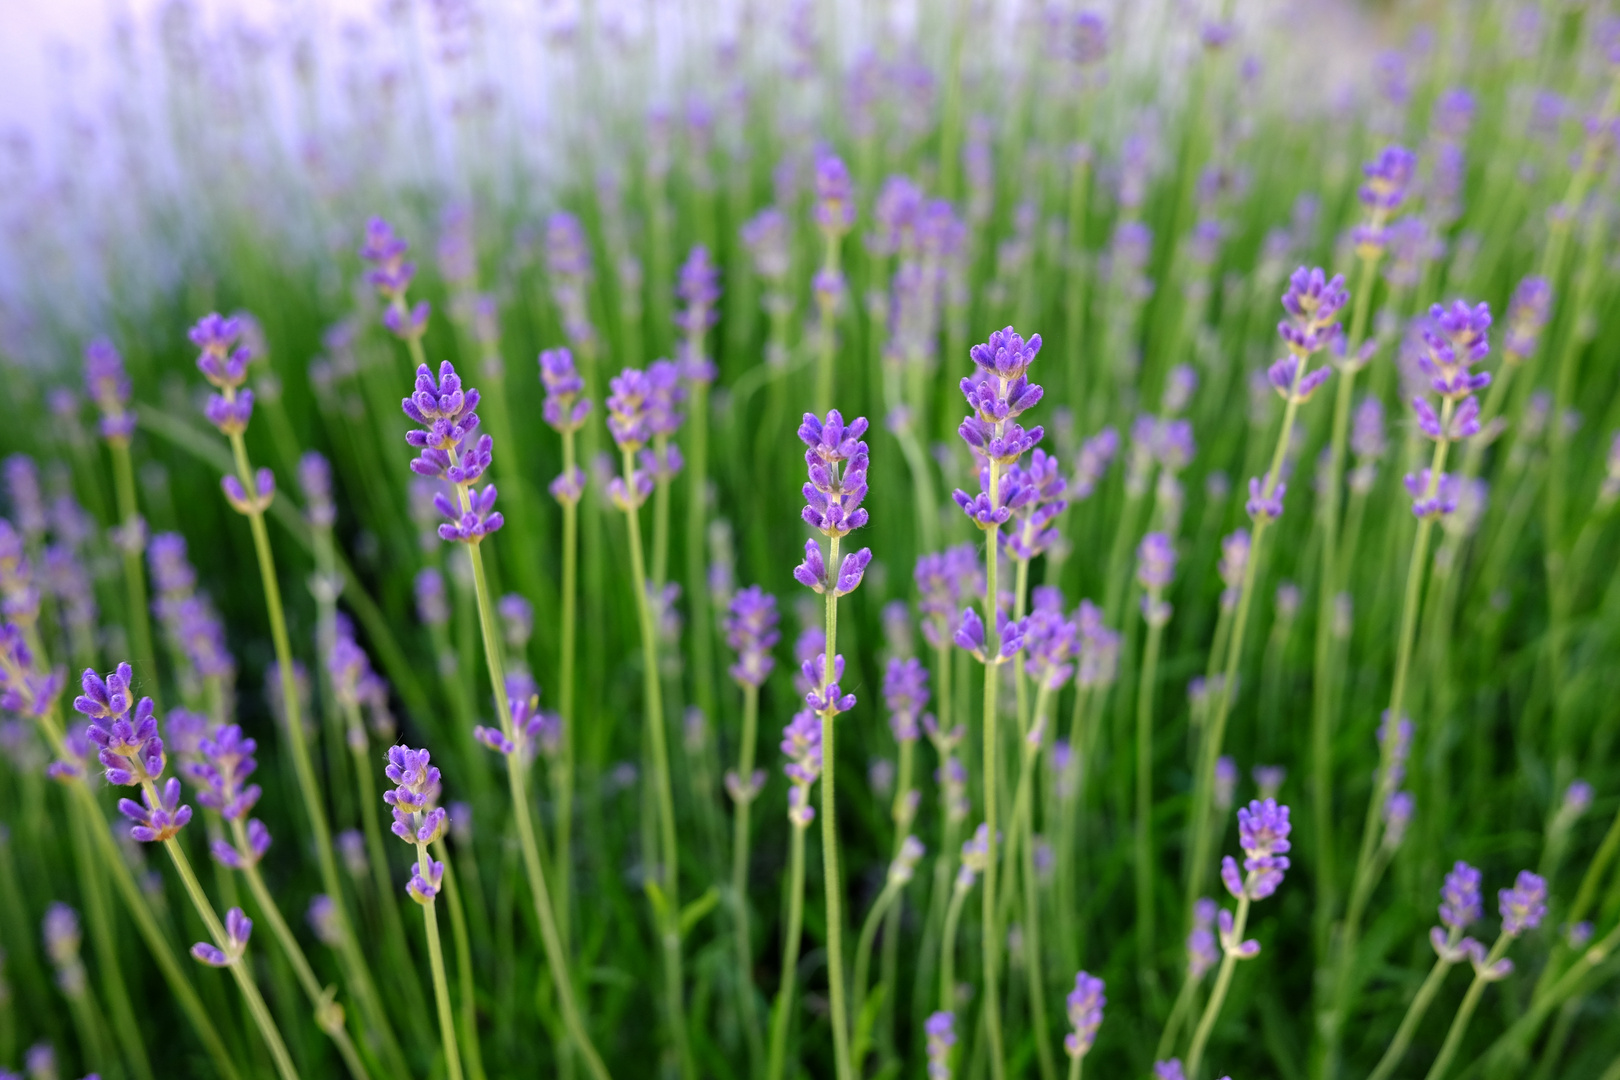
(1203, 952)
(836, 460)
(699, 290)
(1460, 901)
(108, 385)
(1085, 1007)
(448, 423)
(1526, 316)
(565, 407)
(750, 626)
(1525, 905)
(221, 774)
(1388, 177)
(416, 786)
(238, 928)
(1312, 301)
(940, 1029)
(1263, 829)
(390, 272)
(835, 195)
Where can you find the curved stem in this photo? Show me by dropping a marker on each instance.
(441, 986)
(863, 967)
(1465, 1011)
(782, 1010)
(464, 968)
(947, 948)
(991, 937)
(1414, 1016)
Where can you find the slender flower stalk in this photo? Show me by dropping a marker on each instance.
(801, 742)
(631, 408)
(224, 364)
(1523, 907)
(901, 871)
(566, 409)
(699, 291)
(1459, 905)
(836, 461)
(1155, 569)
(130, 750)
(1263, 829)
(998, 392)
(751, 633)
(448, 452)
(1312, 301)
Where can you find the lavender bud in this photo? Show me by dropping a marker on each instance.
(1085, 1008)
(1523, 906)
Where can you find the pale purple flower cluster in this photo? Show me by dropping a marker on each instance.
(698, 288)
(1051, 642)
(750, 627)
(943, 578)
(532, 729)
(391, 273)
(1388, 178)
(131, 752)
(568, 265)
(905, 692)
(940, 1029)
(970, 636)
(1092, 462)
(1263, 829)
(109, 387)
(238, 928)
(1155, 568)
(998, 392)
(447, 451)
(1035, 495)
(1085, 1007)
(1525, 905)
(193, 627)
(1527, 315)
(835, 195)
(836, 460)
(767, 236)
(1460, 900)
(801, 742)
(1203, 952)
(628, 407)
(416, 820)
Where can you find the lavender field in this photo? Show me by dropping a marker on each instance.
(850, 539)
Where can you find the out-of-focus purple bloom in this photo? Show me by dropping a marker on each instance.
(1202, 950)
(1453, 114)
(1269, 779)
(627, 407)
(1099, 649)
(1397, 751)
(1096, 453)
(1431, 497)
(565, 407)
(222, 772)
(1525, 905)
(699, 290)
(1155, 561)
(568, 265)
(941, 1032)
(238, 928)
(1388, 177)
(1290, 385)
(768, 237)
(1577, 800)
(1263, 829)
(835, 195)
(1260, 505)
(108, 385)
(315, 481)
(390, 272)
(432, 608)
(22, 488)
(1085, 1007)
(905, 692)
(1051, 643)
(517, 621)
(1397, 815)
(1526, 316)
(970, 636)
(1168, 1070)
(750, 627)
(1455, 338)
(1460, 900)
(801, 743)
(1312, 301)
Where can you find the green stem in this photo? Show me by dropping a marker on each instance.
(1034, 955)
(464, 968)
(441, 986)
(328, 1021)
(1465, 1012)
(863, 967)
(244, 982)
(947, 947)
(1414, 1016)
(782, 1009)
(564, 771)
(668, 903)
(739, 877)
(556, 956)
(1178, 1014)
(829, 839)
(1145, 912)
(1217, 996)
(991, 937)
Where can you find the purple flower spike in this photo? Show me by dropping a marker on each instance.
(221, 775)
(1155, 562)
(1282, 376)
(835, 195)
(1263, 829)
(1202, 951)
(1460, 901)
(699, 290)
(222, 362)
(627, 407)
(238, 928)
(768, 238)
(1389, 176)
(385, 250)
(1312, 300)
(1085, 1007)
(108, 385)
(905, 692)
(1051, 644)
(941, 1031)
(801, 742)
(565, 407)
(159, 820)
(750, 627)
(1524, 905)
(1526, 316)
(826, 697)
(245, 502)
(1168, 1070)
(1260, 506)
(836, 460)
(1432, 499)
(416, 820)
(1455, 338)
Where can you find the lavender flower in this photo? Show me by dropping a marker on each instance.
(801, 742)
(835, 196)
(699, 290)
(1051, 644)
(517, 621)
(1034, 493)
(768, 237)
(1269, 779)
(221, 774)
(1085, 1006)
(1096, 453)
(416, 820)
(315, 481)
(905, 692)
(238, 928)
(1155, 567)
(970, 636)
(22, 487)
(62, 938)
(1388, 179)
(1262, 506)
(108, 385)
(1168, 1070)
(836, 459)
(1312, 301)
(432, 607)
(568, 264)
(942, 579)
(1263, 829)
(1099, 649)
(1526, 316)
(130, 748)
(1202, 951)
(750, 627)
(998, 392)
(384, 249)
(565, 407)
(447, 452)
(941, 1031)
(1460, 901)
(1523, 906)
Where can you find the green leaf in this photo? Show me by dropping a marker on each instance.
(693, 913)
(863, 1026)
